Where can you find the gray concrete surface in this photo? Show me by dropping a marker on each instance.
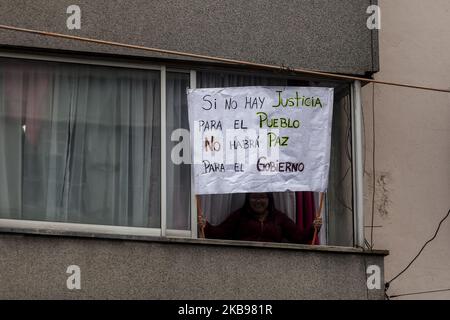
(321, 34)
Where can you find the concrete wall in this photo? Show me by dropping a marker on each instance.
(34, 267)
(321, 34)
(412, 162)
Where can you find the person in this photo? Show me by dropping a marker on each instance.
(259, 220)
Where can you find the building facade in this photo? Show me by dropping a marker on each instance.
(87, 133)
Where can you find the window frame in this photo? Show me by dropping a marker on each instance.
(48, 226)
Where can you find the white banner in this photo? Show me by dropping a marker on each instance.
(260, 139)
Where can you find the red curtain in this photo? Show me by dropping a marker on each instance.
(306, 210)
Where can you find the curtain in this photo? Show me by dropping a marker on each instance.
(339, 202)
(217, 207)
(79, 144)
(178, 176)
(306, 210)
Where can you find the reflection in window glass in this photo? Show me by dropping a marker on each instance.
(178, 155)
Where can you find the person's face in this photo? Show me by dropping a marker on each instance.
(259, 202)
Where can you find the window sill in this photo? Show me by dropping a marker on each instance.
(187, 241)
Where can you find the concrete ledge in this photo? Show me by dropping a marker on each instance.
(187, 241)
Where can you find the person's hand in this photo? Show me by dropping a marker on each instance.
(201, 221)
(317, 223)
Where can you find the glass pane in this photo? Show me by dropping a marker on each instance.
(178, 153)
(229, 216)
(79, 143)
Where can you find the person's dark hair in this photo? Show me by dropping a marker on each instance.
(248, 210)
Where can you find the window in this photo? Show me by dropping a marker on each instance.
(79, 143)
(89, 144)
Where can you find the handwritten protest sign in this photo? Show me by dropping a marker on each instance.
(260, 139)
